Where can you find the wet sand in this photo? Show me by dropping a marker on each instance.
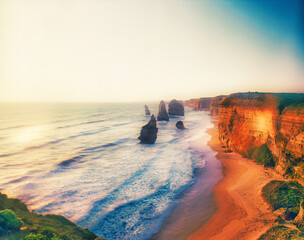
(241, 212)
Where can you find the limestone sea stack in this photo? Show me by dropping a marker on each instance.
(176, 108)
(180, 125)
(148, 133)
(147, 111)
(162, 112)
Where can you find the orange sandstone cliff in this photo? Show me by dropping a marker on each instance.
(215, 105)
(199, 103)
(266, 126)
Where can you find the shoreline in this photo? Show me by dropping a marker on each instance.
(241, 211)
(196, 204)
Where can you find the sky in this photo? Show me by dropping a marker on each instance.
(147, 50)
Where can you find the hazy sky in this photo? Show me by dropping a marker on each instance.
(111, 50)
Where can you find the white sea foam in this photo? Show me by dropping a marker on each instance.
(86, 164)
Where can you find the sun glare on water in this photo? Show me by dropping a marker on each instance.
(28, 134)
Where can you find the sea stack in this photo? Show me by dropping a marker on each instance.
(180, 125)
(162, 112)
(147, 111)
(148, 133)
(176, 108)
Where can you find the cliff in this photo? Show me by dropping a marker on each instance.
(199, 103)
(215, 105)
(266, 126)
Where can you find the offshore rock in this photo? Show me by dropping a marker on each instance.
(147, 111)
(162, 112)
(148, 133)
(176, 108)
(180, 125)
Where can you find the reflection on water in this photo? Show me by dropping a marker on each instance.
(84, 161)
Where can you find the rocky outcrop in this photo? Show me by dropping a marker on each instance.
(180, 125)
(300, 216)
(199, 103)
(162, 112)
(176, 108)
(148, 133)
(273, 122)
(147, 111)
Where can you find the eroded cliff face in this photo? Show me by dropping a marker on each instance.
(199, 103)
(215, 105)
(248, 121)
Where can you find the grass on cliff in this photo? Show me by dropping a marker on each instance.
(262, 155)
(282, 232)
(35, 226)
(283, 194)
(288, 195)
(291, 100)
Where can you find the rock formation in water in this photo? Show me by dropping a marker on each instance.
(162, 112)
(180, 125)
(147, 111)
(266, 127)
(176, 108)
(148, 133)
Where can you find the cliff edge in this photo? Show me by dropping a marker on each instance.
(268, 127)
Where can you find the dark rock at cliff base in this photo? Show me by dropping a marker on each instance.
(147, 111)
(162, 112)
(180, 125)
(176, 108)
(148, 133)
(288, 215)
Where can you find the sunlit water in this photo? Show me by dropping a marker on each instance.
(84, 161)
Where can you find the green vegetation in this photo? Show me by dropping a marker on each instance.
(283, 194)
(35, 226)
(290, 100)
(9, 221)
(287, 195)
(282, 232)
(262, 155)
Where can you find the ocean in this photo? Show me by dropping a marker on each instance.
(84, 161)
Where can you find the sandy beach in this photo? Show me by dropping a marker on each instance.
(241, 212)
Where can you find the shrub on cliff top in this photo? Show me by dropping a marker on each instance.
(9, 221)
(264, 156)
(282, 232)
(283, 194)
(46, 226)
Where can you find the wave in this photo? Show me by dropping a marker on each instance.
(79, 124)
(30, 148)
(15, 127)
(102, 206)
(70, 161)
(53, 142)
(111, 144)
(18, 180)
(136, 208)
